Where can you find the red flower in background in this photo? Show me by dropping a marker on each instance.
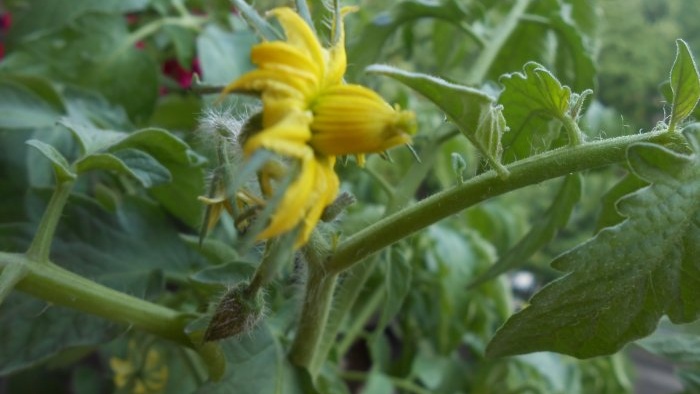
(5, 22)
(174, 70)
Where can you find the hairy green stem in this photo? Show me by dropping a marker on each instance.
(314, 315)
(529, 171)
(277, 254)
(41, 244)
(9, 276)
(56, 285)
(483, 64)
(572, 131)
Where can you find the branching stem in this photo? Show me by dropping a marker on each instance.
(41, 244)
(529, 171)
(56, 285)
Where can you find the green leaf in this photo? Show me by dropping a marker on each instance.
(59, 163)
(453, 259)
(685, 84)
(378, 383)
(675, 346)
(161, 144)
(88, 107)
(177, 112)
(397, 284)
(217, 252)
(224, 55)
(575, 55)
(46, 16)
(254, 365)
(32, 331)
(144, 167)
(39, 86)
(93, 51)
(620, 283)
(185, 166)
(609, 215)
(180, 195)
(428, 367)
(585, 14)
(91, 138)
(533, 102)
(367, 48)
(127, 250)
(227, 274)
(542, 232)
(463, 105)
(135, 163)
(21, 108)
(129, 78)
(560, 35)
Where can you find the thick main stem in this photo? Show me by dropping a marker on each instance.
(529, 171)
(314, 315)
(58, 286)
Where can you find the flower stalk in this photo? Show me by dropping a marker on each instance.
(314, 315)
(316, 308)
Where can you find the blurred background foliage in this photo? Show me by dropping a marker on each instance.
(126, 65)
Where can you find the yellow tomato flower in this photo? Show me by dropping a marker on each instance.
(136, 375)
(311, 115)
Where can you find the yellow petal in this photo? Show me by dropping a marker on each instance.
(278, 52)
(327, 185)
(271, 171)
(123, 370)
(300, 35)
(214, 216)
(272, 82)
(351, 119)
(337, 59)
(277, 108)
(291, 209)
(289, 137)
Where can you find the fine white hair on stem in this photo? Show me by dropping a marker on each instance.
(217, 123)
